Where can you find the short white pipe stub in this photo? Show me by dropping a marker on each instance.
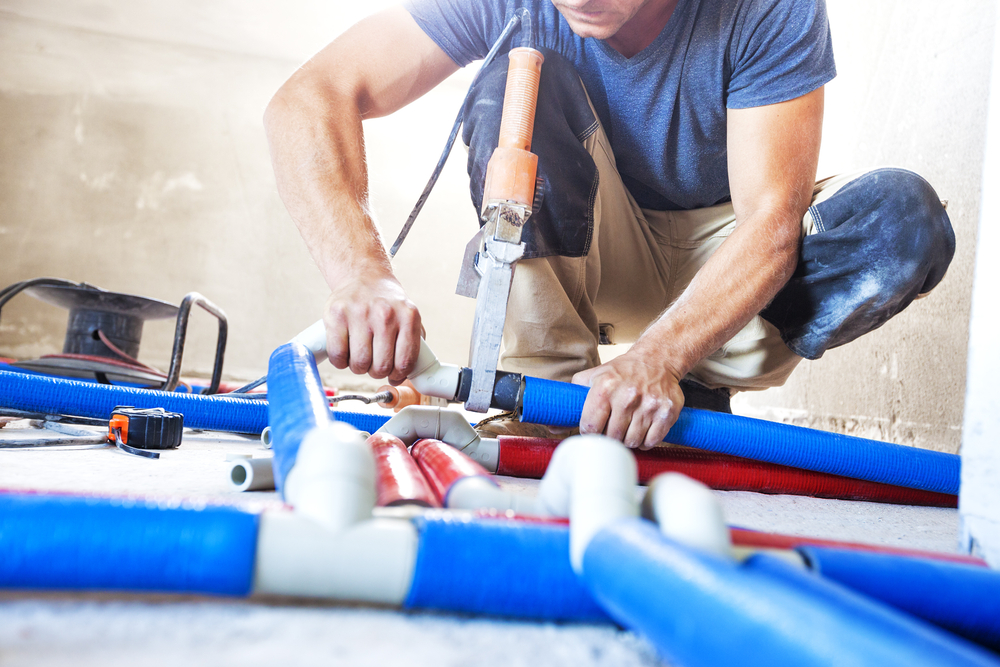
(689, 512)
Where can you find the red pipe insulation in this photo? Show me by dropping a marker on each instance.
(398, 480)
(751, 538)
(529, 457)
(443, 465)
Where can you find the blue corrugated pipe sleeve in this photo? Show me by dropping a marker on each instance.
(72, 543)
(297, 404)
(701, 610)
(498, 568)
(560, 404)
(962, 598)
(39, 393)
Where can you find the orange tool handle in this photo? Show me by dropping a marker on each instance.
(520, 98)
(510, 174)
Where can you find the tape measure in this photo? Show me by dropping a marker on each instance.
(136, 430)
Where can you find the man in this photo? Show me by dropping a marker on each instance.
(678, 143)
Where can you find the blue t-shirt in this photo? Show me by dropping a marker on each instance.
(664, 109)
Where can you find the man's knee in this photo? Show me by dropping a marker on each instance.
(896, 218)
(883, 239)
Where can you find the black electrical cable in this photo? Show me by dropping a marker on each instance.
(520, 17)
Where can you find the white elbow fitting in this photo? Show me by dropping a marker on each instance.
(314, 339)
(432, 378)
(416, 422)
(333, 479)
(591, 479)
(687, 511)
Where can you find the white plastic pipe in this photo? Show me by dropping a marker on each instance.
(430, 377)
(592, 480)
(333, 479)
(249, 474)
(415, 422)
(687, 511)
(478, 493)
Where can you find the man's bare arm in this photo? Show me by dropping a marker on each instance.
(773, 152)
(313, 127)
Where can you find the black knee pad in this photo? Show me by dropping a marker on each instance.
(563, 220)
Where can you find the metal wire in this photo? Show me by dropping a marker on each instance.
(508, 29)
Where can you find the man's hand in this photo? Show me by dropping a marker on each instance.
(372, 327)
(631, 399)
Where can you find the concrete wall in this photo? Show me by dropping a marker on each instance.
(132, 156)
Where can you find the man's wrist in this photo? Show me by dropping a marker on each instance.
(662, 348)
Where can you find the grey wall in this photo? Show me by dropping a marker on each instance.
(132, 156)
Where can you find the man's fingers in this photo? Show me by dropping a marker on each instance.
(596, 410)
(337, 345)
(407, 351)
(360, 343)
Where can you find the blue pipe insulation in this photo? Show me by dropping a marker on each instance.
(961, 598)
(40, 393)
(43, 393)
(560, 404)
(699, 609)
(73, 543)
(498, 568)
(296, 404)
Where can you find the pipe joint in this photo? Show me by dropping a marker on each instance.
(333, 479)
(592, 480)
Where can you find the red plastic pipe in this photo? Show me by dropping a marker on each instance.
(529, 457)
(751, 538)
(443, 465)
(398, 480)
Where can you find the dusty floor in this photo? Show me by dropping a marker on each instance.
(58, 629)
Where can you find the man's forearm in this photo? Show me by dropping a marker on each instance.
(319, 165)
(734, 285)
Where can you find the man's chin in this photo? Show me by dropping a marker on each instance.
(591, 30)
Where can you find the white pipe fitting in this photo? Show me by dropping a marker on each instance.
(689, 512)
(592, 480)
(371, 562)
(415, 422)
(249, 474)
(333, 479)
(480, 493)
(432, 378)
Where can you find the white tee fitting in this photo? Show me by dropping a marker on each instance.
(416, 422)
(370, 562)
(689, 512)
(592, 480)
(333, 479)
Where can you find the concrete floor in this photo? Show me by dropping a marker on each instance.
(108, 630)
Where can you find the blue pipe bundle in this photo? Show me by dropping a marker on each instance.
(961, 598)
(701, 610)
(41, 393)
(560, 404)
